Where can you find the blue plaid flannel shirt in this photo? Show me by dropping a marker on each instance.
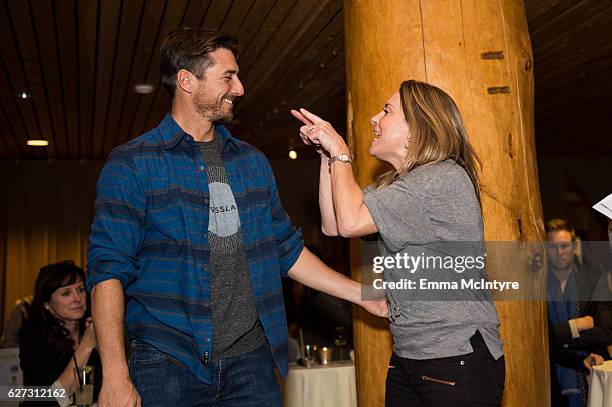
(150, 232)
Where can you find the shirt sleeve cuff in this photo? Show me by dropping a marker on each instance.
(96, 278)
(574, 328)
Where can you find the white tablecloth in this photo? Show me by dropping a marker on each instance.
(321, 386)
(600, 393)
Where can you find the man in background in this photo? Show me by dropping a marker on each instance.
(580, 321)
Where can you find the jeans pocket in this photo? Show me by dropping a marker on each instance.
(439, 381)
(144, 354)
(451, 371)
(395, 362)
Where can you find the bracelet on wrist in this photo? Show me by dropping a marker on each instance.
(343, 158)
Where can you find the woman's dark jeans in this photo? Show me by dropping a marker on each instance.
(475, 379)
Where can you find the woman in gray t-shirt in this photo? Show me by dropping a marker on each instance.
(446, 345)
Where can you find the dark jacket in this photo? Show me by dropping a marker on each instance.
(42, 365)
(569, 352)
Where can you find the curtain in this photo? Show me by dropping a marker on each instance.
(46, 211)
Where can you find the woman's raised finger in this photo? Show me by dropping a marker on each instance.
(311, 116)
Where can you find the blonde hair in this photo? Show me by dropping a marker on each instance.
(437, 133)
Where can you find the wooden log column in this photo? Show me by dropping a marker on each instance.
(480, 53)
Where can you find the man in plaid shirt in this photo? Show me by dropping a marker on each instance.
(190, 239)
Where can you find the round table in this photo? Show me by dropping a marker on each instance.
(321, 386)
(600, 392)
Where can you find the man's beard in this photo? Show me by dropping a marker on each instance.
(213, 111)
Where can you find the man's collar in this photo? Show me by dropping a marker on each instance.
(172, 134)
(567, 272)
(225, 135)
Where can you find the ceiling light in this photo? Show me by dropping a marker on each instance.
(37, 143)
(23, 94)
(292, 154)
(143, 88)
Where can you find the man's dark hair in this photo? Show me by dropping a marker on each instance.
(556, 225)
(189, 49)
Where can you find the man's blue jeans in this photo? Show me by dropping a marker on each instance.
(243, 381)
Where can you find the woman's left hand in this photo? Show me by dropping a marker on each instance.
(89, 336)
(320, 133)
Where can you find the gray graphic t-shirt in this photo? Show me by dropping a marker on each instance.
(236, 326)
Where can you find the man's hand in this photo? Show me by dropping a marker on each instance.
(380, 308)
(118, 392)
(585, 323)
(593, 360)
(108, 306)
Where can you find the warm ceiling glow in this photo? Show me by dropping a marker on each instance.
(143, 88)
(38, 143)
(292, 154)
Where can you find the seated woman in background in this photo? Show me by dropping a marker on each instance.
(58, 332)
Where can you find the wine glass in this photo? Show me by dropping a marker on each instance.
(340, 339)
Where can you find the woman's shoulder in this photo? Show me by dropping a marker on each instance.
(30, 332)
(430, 180)
(445, 175)
(448, 193)
(33, 341)
(432, 171)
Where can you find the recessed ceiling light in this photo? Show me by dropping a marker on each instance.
(23, 94)
(37, 143)
(143, 88)
(292, 154)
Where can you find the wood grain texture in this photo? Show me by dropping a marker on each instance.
(442, 43)
(80, 60)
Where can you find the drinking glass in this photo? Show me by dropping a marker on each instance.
(84, 388)
(326, 355)
(340, 339)
(309, 355)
